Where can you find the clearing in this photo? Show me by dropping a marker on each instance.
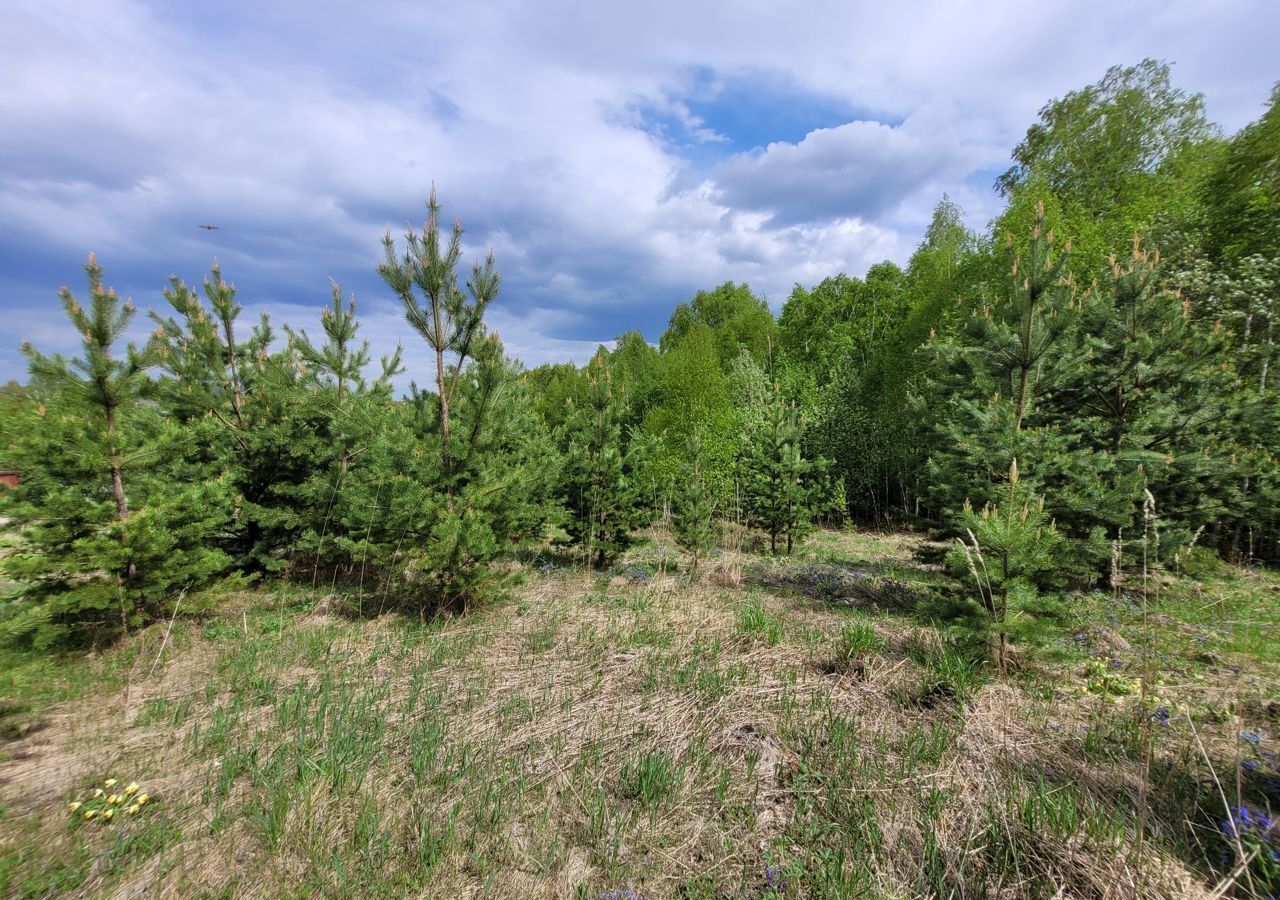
(802, 727)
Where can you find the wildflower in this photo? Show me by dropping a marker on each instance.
(1161, 716)
(113, 799)
(110, 782)
(134, 808)
(98, 793)
(131, 789)
(773, 877)
(89, 814)
(74, 806)
(108, 814)
(1251, 737)
(142, 798)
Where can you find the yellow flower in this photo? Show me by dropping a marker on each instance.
(89, 814)
(108, 814)
(74, 806)
(110, 782)
(142, 798)
(114, 798)
(99, 792)
(134, 808)
(131, 789)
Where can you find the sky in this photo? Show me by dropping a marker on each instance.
(616, 157)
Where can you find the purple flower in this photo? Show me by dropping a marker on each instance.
(618, 894)
(1245, 822)
(773, 877)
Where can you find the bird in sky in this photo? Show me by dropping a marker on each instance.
(208, 227)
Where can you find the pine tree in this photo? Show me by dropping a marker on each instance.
(213, 371)
(601, 486)
(337, 396)
(110, 534)
(991, 372)
(470, 472)
(449, 320)
(1138, 402)
(1006, 548)
(339, 361)
(246, 408)
(693, 507)
(779, 482)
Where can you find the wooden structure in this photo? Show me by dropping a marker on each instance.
(8, 478)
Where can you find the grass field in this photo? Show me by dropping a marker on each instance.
(803, 727)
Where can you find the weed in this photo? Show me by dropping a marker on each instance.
(651, 778)
(757, 624)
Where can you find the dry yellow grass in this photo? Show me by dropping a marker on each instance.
(591, 734)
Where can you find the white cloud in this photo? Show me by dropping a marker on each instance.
(305, 129)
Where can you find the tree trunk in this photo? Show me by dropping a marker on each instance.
(1024, 377)
(442, 393)
(117, 481)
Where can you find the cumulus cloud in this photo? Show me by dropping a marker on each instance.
(304, 130)
(859, 170)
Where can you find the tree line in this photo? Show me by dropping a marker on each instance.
(1103, 348)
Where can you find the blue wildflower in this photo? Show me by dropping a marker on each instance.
(1251, 737)
(773, 877)
(618, 894)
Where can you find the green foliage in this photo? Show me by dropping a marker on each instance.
(1095, 145)
(693, 507)
(1142, 398)
(240, 405)
(338, 363)
(650, 779)
(859, 639)
(603, 484)
(780, 485)
(841, 319)
(755, 622)
(1242, 196)
(1009, 550)
(991, 369)
(107, 533)
(738, 319)
(696, 398)
(470, 471)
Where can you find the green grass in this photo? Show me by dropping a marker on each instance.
(858, 639)
(650, 778)
(757, 624)
(679, 738)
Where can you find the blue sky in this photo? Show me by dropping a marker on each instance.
(616, 157)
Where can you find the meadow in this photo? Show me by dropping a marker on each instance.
(809, 726)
